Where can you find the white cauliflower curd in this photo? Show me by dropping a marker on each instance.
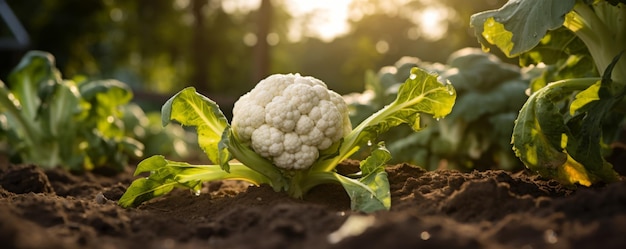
(288, 119)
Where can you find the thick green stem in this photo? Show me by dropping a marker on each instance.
(294, 188)
(309, 180)
(568, 86)
(238, 171)
(528, 132)
(599, 37)
(257, 163)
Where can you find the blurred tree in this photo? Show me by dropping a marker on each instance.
(139, 42)
(262, 47)
(159, 45)
(200, 48)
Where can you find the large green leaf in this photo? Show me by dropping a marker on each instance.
(362, 196)
(59, 128)
(11, 109)
(519, 25)
(569, 150)
(33, 81)
(371, 192)
(595, 106)
(555, 46)
(166, 174)
(420, 94)
(35, 110)
(59, 115)
(377, 159)
(569, 146)
(193, 109)
(112, 91)
(538, 136)
(144, 189)
(564, 55)
(105, 98)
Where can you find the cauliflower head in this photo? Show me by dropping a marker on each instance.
(288, 119)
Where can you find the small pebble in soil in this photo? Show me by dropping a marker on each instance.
(353, 226)
(101, 199)
(425, 235)
(550, 236)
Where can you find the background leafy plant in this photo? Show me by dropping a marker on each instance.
(174, 141)
(577, 107)
(53, 122)
(476, 134)
(80, 124)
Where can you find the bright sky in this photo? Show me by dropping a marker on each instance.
(329, 18)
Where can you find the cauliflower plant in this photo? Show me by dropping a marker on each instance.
(288, 119)
(289, 132)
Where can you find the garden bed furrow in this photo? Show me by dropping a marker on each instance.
(430, 209)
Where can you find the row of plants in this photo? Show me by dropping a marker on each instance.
(77, 124)
(92, 125)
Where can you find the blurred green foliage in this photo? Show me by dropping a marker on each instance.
(78, 124)
(476, 134)
(150, 44)
(172, 140)
(54, 122)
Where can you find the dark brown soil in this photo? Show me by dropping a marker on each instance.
(441, 209)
